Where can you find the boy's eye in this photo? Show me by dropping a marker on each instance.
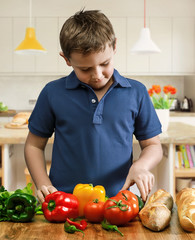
(85, 69)
(105, 64)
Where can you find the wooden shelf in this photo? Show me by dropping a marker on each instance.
(0, 172)
(185, 172)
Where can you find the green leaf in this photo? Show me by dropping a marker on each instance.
(4, 195)
(3, 107)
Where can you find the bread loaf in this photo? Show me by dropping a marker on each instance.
(20, 119)
(185, 201)
(156, 214)
(162, 196)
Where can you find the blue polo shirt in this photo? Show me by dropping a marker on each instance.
(93, 140)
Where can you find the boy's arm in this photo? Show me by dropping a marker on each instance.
(35, 161)
(139, 172)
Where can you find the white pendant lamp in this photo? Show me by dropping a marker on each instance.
(30, 45)
(145, 45)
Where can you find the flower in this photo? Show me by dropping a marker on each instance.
(159, 101)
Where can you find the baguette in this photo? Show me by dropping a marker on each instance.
(162, 196)
(185, 201)
(20, 119)
(156, 214)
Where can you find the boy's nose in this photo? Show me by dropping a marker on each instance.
(97, 74)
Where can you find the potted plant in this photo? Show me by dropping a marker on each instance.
(162, 101)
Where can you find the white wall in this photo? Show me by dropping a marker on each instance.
(112, 8)
(16, 90)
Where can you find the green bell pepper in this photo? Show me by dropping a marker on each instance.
(21, 207)
(140, 201)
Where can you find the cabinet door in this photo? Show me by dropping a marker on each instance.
(119, 25)
(183, 45)
(161, 34)
(21, 63)
(6, 50)
(47, 35)
(135, 63)
(62, 67)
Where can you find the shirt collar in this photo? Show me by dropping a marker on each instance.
(73, 82)
(122, 81)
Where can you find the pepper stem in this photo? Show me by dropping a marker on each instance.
(51, 205)
(18, 208)
(115, 228)
(78, 230)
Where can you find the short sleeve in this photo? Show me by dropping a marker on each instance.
(147, 124)
(42, 120)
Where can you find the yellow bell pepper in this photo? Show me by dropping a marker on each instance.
(86, 193)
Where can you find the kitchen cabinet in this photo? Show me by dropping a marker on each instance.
(62, 66)
(183, 45)
(175, 37)
(135, 63)
(161, 33)
(5, 45)
(21, 63)
(120, 26)
(47, 34)
(160, 29)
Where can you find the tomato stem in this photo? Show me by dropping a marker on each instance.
(124, 196)
(122, 207)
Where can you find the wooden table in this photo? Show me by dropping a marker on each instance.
(40, 229)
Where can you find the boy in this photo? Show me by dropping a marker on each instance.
(94, 113)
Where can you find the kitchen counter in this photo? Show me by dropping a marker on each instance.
(181, 114)
(13, 163)
(177, 133)
(41, 229)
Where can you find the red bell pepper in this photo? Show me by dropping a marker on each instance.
(59, 206)
(82, 225)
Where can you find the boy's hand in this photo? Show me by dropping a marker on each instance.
(143, 178)
(44, 191)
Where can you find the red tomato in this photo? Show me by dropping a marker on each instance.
(131, 198)
(94, 211)
(117, 211)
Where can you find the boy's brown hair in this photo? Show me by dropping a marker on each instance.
(85, 32)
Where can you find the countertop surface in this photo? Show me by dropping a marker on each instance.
(11, 113)
(40, 229)
(178, 133)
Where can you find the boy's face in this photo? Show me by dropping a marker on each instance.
(95, 69)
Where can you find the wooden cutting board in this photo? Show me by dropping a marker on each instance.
(9, 125)
(8, 113)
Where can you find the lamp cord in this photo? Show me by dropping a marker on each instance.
(144, 13)
(30, 13)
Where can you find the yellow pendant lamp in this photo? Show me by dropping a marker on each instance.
(30, 45)
(145, 45)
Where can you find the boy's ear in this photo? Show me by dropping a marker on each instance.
(115, 45)
(65, 58)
